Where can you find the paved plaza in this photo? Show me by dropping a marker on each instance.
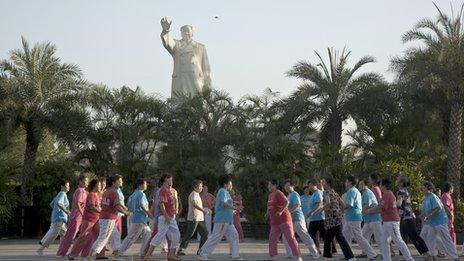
(250, 250)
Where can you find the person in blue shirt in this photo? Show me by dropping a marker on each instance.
(59, 217)
(138, 205)
(353, 217)
(305, 204)
(372, 222)
(436, 223)
(316, 213)
(298, 219)
(223, 222)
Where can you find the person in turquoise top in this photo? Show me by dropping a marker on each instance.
(223, 222)
(59, 217)
(353, 217)
(316, 213)
(298, 219)
(305, 204)
(372, 222)
(138, 205)
(436, 223)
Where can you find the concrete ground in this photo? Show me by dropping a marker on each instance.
(250, 250)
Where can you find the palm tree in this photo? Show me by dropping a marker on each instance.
(439, 65)
(125, 131)
(41, 95)
(328, 92)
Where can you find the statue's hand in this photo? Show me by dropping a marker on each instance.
(166, 24)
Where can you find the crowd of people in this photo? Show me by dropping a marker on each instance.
(368, 209)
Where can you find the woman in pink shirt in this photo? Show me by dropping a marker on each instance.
(89, 227)
(449, 208)
(237, 202)
(281, 221)
(208, 201)
(75, 218)
(391, 221)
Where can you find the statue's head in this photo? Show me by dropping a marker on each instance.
(187, 32)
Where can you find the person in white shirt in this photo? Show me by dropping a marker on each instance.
(195, 218)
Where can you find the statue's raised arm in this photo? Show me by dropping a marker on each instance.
(166, 37)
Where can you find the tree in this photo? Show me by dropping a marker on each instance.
(41, 94)
(327, 93)
(438, 64)
(126, 128)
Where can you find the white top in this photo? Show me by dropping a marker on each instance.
(195, 214)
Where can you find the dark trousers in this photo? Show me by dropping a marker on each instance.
(408, 230)
(336, 232)
(314, 227)
(192, 227)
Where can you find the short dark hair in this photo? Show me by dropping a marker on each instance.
(113, 179)
(93, 183)
(353, 180)
(196, 183)
(429, 186)
(63, 182)
(224, 179)
(274, 182)
(313, 182)
(289, 181)
(164, 177)
(447, 187)
(375, 178)
(404, 181)
(81, 177)
(328, 180)
(140, 181)
(387, 183)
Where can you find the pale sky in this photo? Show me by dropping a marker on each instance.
(250, 46)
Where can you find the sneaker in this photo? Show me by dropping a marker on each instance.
(40, 252)
(316, 256)
(164, 250)
(180, 253)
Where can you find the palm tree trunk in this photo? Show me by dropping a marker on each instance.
(454, 149)
(30, 157)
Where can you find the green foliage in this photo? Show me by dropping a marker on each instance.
(53, 125)
(459, 217)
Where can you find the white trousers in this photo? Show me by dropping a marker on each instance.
(169, 229)
(219, 231)
(374, 229)
(208, 220)
(56, 228)
(353, 228)
(391, 232)
(347, 232)
(136, 230)
(104, 235)
(438, 237)
(299, 227)
(115, 239)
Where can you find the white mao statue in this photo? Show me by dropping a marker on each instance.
(191, 74)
